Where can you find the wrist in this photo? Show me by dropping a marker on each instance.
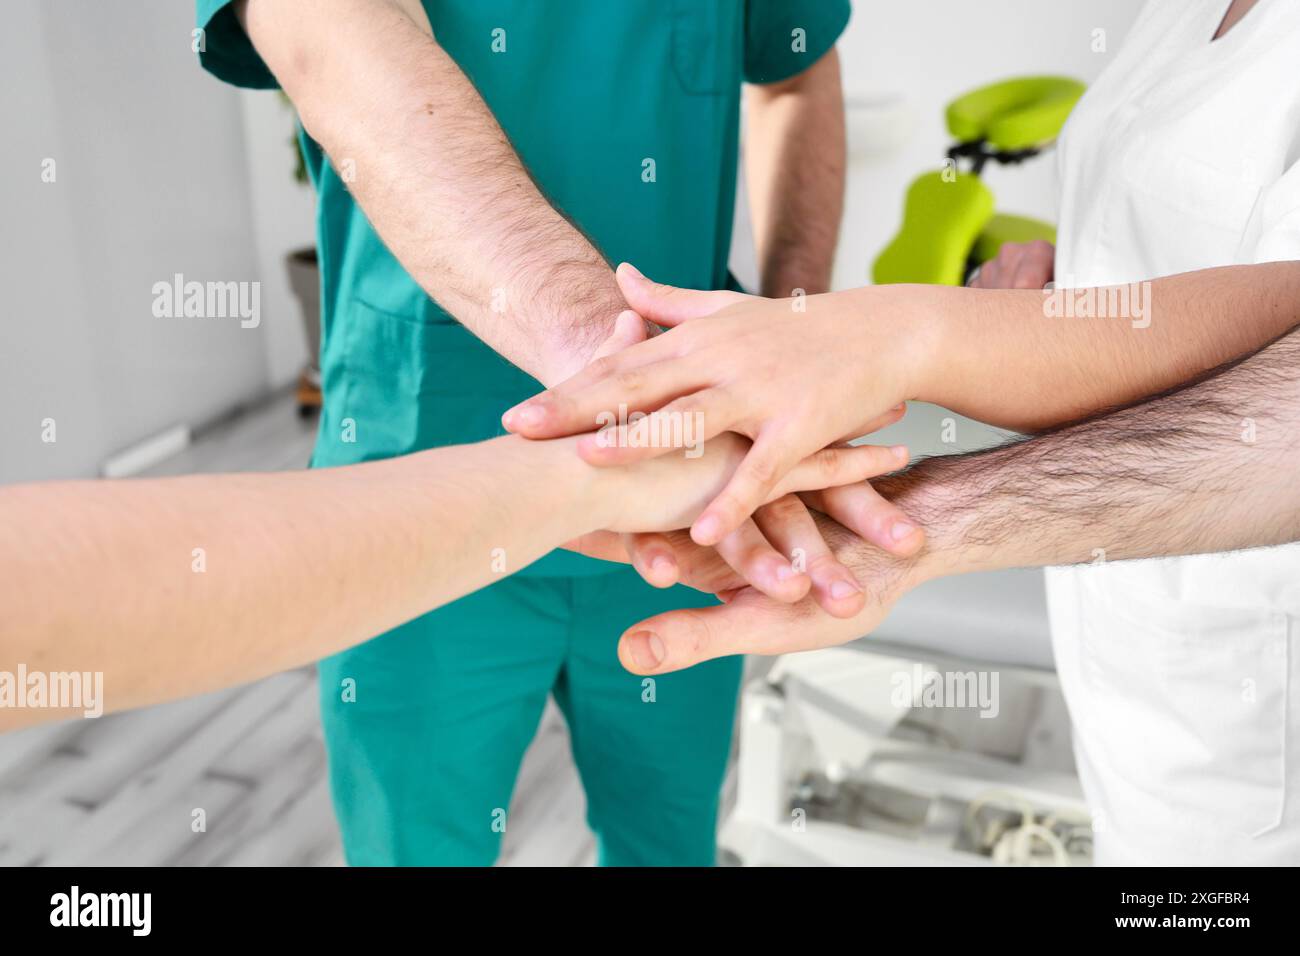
(901, 325)
(575, 312)
(945, 496)
(594, 497)
(574, 496)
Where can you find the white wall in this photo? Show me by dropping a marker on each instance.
(284, 219)
(151, 171)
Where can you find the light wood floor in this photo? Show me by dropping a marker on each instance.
(124, 789)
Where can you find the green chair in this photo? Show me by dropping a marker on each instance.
(949, 223)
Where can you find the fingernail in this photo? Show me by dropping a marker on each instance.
(900, 452)
(842, 589)
(645, 649)
(663, 565)
(707, 527)
(901, 530)
(631, 270)
(785, 572)
(525, 416)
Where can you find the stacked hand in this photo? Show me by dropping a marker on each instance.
(797, 378)
(794, 376)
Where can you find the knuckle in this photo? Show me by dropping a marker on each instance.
(631, 381)
(821, 562)
(787, 509)
(832, 461)
(762, 468)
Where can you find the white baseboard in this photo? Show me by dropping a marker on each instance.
(146, 454)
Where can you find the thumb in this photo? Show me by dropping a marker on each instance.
(748, 623)
(668, 305)
(629, 329)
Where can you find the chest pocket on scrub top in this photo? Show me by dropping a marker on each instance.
(703, 45)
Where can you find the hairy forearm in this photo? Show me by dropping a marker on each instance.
(1209, 467)
(438, 178)
(794, 168)
(1003, 357)
(178, 586)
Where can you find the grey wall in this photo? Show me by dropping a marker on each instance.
(151, 181)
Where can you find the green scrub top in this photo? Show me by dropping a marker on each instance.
(625, 112)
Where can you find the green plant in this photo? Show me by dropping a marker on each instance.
(300, 162)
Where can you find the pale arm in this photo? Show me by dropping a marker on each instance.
(184, 585)
(1210, 467)
(177, 586)
(997, 356)
(438, 178)
(794, 170)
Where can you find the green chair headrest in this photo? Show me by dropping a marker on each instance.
(942, 217)
(1014, 114)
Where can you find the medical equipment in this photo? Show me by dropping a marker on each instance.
(847, 759)
(949, 223)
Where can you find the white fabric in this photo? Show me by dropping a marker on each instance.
(1183, 675)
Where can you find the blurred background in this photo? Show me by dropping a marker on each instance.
(153, 161)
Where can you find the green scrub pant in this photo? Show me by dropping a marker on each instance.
(426, 726)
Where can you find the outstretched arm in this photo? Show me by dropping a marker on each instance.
(795, 375)
(1209, 467)
(438, 178)
(178, 586)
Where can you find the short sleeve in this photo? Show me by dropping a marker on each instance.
(225, 50)
(785, 37)
(1279, 219)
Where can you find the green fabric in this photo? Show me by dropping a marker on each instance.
(1014, 114)
(1004, 227)
(943, 213)
(636, 81)
(427, 752)
(587, 91)
(226, 51)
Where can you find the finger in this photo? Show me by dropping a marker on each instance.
(653, 558)
(884, 420)
(668, 305)
(629, 330)
(747, 624)
(842, 465)
(685, 422)
(1027, 275)
(789, 528)
(755, 560)
(750, 486)
(998, 271)
(605, 545)
(862, 510)
(1035, 268)
(529, 417)
(606, 392)
(702, 568)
